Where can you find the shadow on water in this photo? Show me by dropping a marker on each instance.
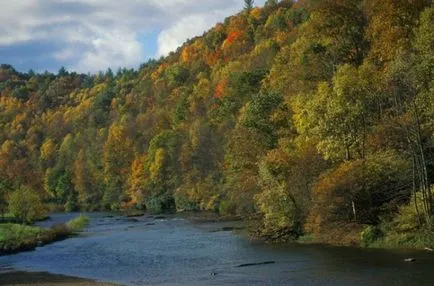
(173, 251)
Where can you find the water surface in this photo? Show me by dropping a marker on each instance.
(175, 251)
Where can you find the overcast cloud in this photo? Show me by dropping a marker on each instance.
(92, 35)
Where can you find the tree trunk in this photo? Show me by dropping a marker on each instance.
(354, 210)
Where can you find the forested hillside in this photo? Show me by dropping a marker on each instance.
(314, 117)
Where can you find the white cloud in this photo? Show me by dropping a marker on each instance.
(115, 49)
(170, 39)
(190, 26)
(92, 35)
(64, 54)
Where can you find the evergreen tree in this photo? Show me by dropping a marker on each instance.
(248, 5)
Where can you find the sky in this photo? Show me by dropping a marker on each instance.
(93, 35)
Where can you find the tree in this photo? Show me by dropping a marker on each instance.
(62, 72)
(137, 182)
(48, 153)
(357, 191)
(390, 27)
(3, 201)
(334, 35)
(286, 177)
(256, 116)
(338, 116)
(101, 105)
(118, 156)
(410, 102)
(241, 171)
(248, 5)
(26, 205)
(162, 165)
(271, 3)
(81, 180)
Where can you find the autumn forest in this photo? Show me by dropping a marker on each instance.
(314, 119)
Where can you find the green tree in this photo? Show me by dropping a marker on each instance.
(243, 151)
(248, 5)
(286, 176)
(257, 113)
(338, 116)
(390, 27)
(82, 181)
(3, 205)
(164, 171)
(118, 156)
(334, 35)
(271, 3)
(25, 204)
(357, 191)
(62, 72)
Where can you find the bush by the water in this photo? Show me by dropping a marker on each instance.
(78, 223)
(419, 240)
(406, 229)
(26, 205)
(160, 204)
(14, 235)
(19, 237)
(369, 235)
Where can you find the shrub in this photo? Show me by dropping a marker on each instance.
(417, 239)
(406, 229)
(70, 205)
(56, 232)
(160, 204)
(78, 223)
(184, 198)
(16, 232)
(16, 236)
(227, 207)
(25, 204)
(369, 235)
(357, 191)
(409, 218)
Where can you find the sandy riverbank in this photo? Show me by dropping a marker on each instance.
(44, 279)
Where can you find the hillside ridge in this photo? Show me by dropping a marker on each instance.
(315, 118)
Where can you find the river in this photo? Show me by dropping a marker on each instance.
(176, 251)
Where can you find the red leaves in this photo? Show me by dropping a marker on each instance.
(232, 37)
(220, 88)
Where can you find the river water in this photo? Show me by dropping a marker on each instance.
(175, 251)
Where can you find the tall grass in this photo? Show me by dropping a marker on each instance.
(17, 236)
(78, 224)
(418, 240)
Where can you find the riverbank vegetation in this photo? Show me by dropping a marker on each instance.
(77, 224)
(26, 206)
(19, 237)
(315, 118)
(16, 236)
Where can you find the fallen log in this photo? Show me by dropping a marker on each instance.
(257, 263)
